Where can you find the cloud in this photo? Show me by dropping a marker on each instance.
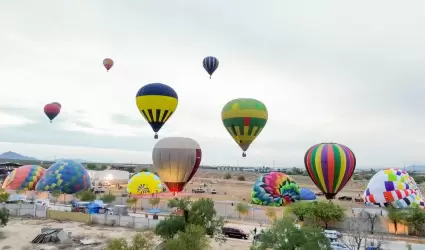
(7, 120)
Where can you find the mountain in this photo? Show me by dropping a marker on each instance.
(416, 168)
(15, 156)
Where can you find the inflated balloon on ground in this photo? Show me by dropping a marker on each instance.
(66, 176)
(275, 189)
(24, 178)
(393, 187)
(144, 183)
(307, 194)
(330, 166)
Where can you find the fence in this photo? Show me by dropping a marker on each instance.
(72, 216)
(26, 209)
(124, 221)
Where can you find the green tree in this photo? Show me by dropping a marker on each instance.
(103, 167)
(301, 210)
(108, 198)
(132, 203)
(283, 234)
(4, 196)
(193, 238)
(86, 195)
(154, 201)
(227, 176)
(91, 166)
(326, 212)
(182, 203)
(144, 170)
(201, 213)
(56, 193)
(4, 216)
(396, 216)
(415, 217)
(242, 209)
(138, 242)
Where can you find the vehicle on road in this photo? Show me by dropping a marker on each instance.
(198, 190)
(234, 233)
(213, 191)
(333, 233)
(339, 246)
(99, 190)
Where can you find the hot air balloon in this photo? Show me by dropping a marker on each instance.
(52, 110)
(176, 160)
(144, 183)
(156, 102)
(24, 178)
(108, 63)
(330, 166)
(393, 187)
(244, 119)
(210, 64)
(275, 189)
(57, 103)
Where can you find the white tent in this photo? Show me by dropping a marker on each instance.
(111, 176)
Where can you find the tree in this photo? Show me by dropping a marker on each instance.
(283, 234)
(86, 195)
(4, 196)
(358, 236)
(415, 217)
(108, 198)
(138, 242)
(201, 213)
(241, 178)
(144, 170)
(193, 238)
(103, 167)
(301, 210)
(182, 203)
(56, 193)
(154, 201)
(396, 216)
(4, 216)
(227, 176)
(242, 209)
(271, 213)
(371, 218)
(327, 212)
(132, 202)
(91, 166)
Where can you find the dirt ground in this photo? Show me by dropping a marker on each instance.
(18, 234)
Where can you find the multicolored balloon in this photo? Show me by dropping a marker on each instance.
(307, 194)
(210, 64)
(156, 102)
(176, 160)
(144, 183)
(393, 187)
(330, 166)
(244, 119)
(275, 189)
(108, 63)
(24, 178)
(66, 176)
(52, 110)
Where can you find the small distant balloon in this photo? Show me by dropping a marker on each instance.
(57, 103)
(108, 63)
(52, 110)
(210, 64)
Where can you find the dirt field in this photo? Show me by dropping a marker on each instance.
(18, 234)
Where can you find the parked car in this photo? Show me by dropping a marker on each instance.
(333, 232)
(234, 233)
(339, 246)
(213, 191)
(198, 190)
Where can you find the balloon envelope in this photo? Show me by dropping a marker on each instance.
(210, 64)
(330, 166)
(307, 194)
(67, 176)
(24, 178)
(52, 110)
(144, 183)
(57, 103)
(393, 187)
(244, 119)
(275, 189)
(156, 102)
(176, 160)
(108, 63)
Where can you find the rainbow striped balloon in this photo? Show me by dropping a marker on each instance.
(330, 166)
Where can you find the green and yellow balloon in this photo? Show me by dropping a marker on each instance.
(244, 119)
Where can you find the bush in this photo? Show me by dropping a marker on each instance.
(108, 198)
(227, 176)
(241, 178)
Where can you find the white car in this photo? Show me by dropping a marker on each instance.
(333, 232)
(339, 246)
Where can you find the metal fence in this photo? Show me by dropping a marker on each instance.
(124, 221)
(26, 209)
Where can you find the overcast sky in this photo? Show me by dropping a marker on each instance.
(350, 72)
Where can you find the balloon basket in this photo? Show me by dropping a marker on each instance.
(155, 136)
(243, 154)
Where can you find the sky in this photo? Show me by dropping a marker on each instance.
(328, 71)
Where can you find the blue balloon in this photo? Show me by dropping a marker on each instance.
(66, 176)
(210, 64)
(307, 194)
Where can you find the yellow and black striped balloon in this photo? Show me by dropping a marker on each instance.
(156, 102)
